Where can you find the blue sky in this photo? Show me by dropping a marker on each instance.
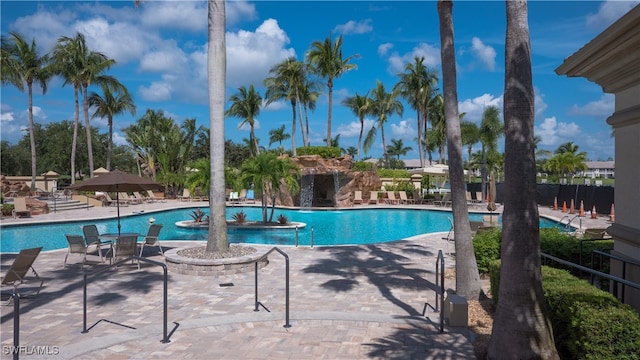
(160, 49)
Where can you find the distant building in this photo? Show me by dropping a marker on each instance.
(599, 169)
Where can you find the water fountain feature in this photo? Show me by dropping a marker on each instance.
(306, 191)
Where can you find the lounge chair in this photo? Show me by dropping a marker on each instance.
(445, 200)
(118, 202)
(154, 197)
(391, 198)
(251, 196)
(404, 199)
(152, 238)
(373, 197)
(125, 246)
(141, 198)
(17, 274)
(243, 195)
(76, 246)
(20, 208)
(479, 197)
(128, 198)
(234, 196)
(357, 197)
(92, 237)
(186, 195)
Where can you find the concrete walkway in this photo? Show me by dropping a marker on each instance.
(348, 302)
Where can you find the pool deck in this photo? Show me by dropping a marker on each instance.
(346, 302)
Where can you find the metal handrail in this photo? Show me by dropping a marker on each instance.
(624, 261)
(16, 325)
(165, 338)
(440, 288)
(258, 303)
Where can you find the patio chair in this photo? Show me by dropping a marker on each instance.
(152, 238)
(404, 199)
(251, 196)
(123, 196)
(357, 197)
(111, 202)
(20, 208)
(17, 274)
(92, 237)
(391, 198)
(125, 246)
(234, 196)
(141, 198)
(186, 195)
(373, 197)
(76, 246)
(243, 195)
(155, 197)
(445, 200)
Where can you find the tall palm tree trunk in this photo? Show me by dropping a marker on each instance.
(360, 137)
(330, 86)
(85, 106)
(293, 128)
(32, 138)
(110, 142)
(521, 328)
(384, 145)
(467, 275)
(217, 69)
(74, 141)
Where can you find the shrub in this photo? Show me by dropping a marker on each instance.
(393, 173)
(486, 246)
(323, 151)
(7, 209)
(198, 216)
(364, 166)
(282, 219)
(240, 217)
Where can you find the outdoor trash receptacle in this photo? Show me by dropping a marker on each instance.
(456, 310)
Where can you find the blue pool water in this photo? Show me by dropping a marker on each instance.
(344, 227)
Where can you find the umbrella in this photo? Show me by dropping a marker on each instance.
(492, 196)
(116, 181)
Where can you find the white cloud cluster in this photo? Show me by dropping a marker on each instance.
(352, 27)
(352, 128)
(485, 53)
(404, 130)
(397, 61)
(554, 133)
(473, 108)
(608, 12)
(602, 107)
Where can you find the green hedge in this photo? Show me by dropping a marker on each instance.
(364, 166)
(588, 323)
(7, 209)
(323, 151)
(394, 173)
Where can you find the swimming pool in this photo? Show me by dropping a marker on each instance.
(328, 227)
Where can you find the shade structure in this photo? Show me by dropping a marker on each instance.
(116, 181)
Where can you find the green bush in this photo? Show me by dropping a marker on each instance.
(364, 166)
(323, 151)
(394, 173)
(587, 323)
(486, 246)
(7, 209)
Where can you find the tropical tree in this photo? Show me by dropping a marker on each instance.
(438, 133)
(113, 102)
(359, 105)
(269, 173)
(491, 129)
(326, 60)
(246, 105)
(352, 151)
(470, 134)
(278, 135)
(217, 70)
(418, 85)
(199, 176)
(287, 84)
(397, 148)
(467, 275)
(25, 66)
(309, 94)
(521, 327)
(383, 104)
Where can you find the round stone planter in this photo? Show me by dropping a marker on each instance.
(190, 224)
(212, 267)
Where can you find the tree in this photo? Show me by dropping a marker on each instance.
(491, 129)
(217, 70)
(438, 131)
(417, 85)
(200, 176)
(268, 173)
(359, 105)
(246, 105)
(278, 135)
(114, 101)
(325, 58)
(467, 275)
(521, 327)
(470, 136)
(25, 66)
(383, 104)
(397, 148)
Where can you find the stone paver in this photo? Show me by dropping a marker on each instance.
(347, 302)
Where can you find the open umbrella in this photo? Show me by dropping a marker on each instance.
(492, 196)
(116, 181)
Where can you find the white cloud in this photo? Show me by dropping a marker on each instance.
(609, 12)
(397, 61)
(157, 91)
(554, 133)
(485, 53)
(184, 15)
(602, 107)
(404, 130)
(166, 60)
(473, 108)
(354, 27)
(352, 128)
(276, 106)
(384, 49)
(236, 11)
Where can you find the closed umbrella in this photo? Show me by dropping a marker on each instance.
(116, 181)
(492, 196)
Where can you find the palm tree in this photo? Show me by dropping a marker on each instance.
(438, 131)
(286, 84)
(217, 70)
(491, 129)
(325, 58)
(397, 148)
(383, 104)
(246, 105)
(351, 151)
(278, 135)
(521, 327)
(359, 105)
(470, 134)
(467, 275)
(200, 176)
(113, 102)
(570, 147)
(309, 94)
(268, 173)
(25, 66)
(417, 85)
